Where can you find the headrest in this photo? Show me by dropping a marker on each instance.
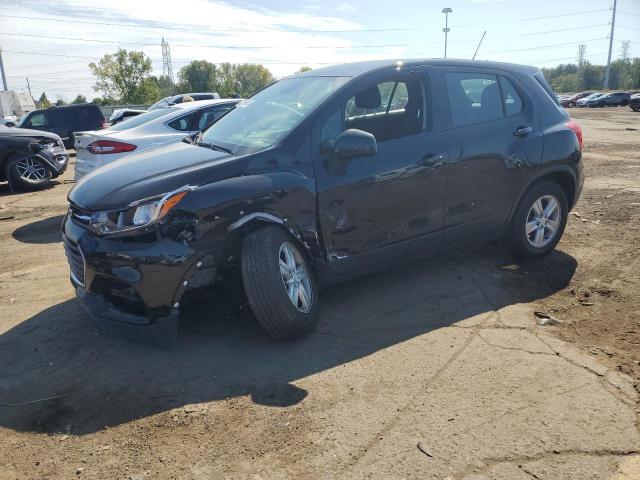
(490, 96)
(369, 98)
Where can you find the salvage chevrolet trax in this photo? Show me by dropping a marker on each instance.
(323, 176)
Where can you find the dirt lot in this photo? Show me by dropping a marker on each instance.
(432, 370)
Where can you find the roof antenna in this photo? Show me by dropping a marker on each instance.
(478, 47)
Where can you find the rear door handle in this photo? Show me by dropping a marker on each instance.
(431, 161)
(522, 131)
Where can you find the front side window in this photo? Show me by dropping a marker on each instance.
(387, 110)
(473, 97)
(271, 114)
(35, 120)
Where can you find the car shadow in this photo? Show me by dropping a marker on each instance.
(58, 371)
(42, 231)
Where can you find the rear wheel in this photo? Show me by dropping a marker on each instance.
(571, 104)
(539, 221)
(27, 173)
(279, 284)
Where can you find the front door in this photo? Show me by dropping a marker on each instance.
(379, 206)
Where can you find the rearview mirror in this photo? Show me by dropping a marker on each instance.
(10, 124)
(354, 143)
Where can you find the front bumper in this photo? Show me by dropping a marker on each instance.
(130, 286)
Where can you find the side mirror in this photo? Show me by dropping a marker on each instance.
(191, 139)
(10, 124)
(354, 143)
(35, 147)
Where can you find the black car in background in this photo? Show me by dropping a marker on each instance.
(29, 159)
(613, 99)
(65, 120)
(323, 176)
(634, 102)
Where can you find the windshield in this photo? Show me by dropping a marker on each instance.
(160, 103)
(266, 118)
(142, 118)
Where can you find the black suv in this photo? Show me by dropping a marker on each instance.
(322, 176)
(66, 120)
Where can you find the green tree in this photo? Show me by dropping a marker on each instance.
(79, 99)
(249, 78)
(60, 102)
(197, 76)
(304, 69)
(227, 79)
(44, 101)
(124, 76)
(97, 101)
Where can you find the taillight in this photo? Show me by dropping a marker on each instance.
(109, 146)
(573, 125)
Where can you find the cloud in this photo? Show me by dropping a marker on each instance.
(283, 40)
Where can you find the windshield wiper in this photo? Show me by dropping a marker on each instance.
(214, 147)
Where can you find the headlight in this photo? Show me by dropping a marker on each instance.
(137, 215)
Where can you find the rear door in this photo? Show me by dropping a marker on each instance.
(491, 141)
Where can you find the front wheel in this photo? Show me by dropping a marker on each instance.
(28, 173)
(279, 284)
(571, 105)
(539, 221)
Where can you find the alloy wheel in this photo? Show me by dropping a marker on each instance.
(295, 277)
(543, 221)
(31, 169)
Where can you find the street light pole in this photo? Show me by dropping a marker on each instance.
(446, 28)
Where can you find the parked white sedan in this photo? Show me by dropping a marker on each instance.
(154, 128)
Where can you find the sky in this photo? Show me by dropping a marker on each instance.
(52, 42)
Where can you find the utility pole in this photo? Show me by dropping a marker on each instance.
(446, 28)
(29, 87)
(4, 78)
(613, 24)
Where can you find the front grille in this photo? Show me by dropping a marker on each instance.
(75, 258)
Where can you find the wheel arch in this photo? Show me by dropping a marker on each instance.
(562, 175)
(262, 219)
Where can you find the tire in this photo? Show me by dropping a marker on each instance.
(571, 105)
(264, 284)
(27, 173)
(519, 238)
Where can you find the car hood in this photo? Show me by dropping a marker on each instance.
(153, 172)
(26, 132)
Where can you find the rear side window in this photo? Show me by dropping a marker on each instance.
(474, 97)
(186, 123)
(510, 97)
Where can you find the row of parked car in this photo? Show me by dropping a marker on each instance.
(601, 99)
(46, 134)
(320, 177)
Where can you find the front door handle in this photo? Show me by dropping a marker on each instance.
(522, 131)
(431, 161)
